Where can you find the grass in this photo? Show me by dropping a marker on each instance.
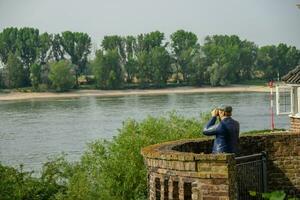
(257, 132)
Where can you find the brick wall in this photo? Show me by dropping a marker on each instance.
(186, 170)
(188, 176)
(295, 124)
(283, 164)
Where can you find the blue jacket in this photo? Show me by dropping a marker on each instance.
(226, 133)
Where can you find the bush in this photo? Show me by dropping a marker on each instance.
(19, 185)
(115, 169)
(61, 75)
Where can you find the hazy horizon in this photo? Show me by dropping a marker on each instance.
(263, 22)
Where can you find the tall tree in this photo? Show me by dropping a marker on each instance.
(44, 48)
(197, 70)
(248, 56)
(226, 51)
(184, 46)
(8, 38)
(35, 75)
(107, 69)
(144, 73)
(78, 47)
(145, 42)
(267, 62)
(14, 72)
(161, 64)
(57, 50)
(27, 45)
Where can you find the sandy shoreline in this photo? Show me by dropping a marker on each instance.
(108, 93)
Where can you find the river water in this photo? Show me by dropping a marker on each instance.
(32, 131)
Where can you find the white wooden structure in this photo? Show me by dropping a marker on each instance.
(288, 98)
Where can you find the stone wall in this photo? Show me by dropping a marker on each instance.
(283, 166)
(295, 124)
(186, 170)
(188, 176)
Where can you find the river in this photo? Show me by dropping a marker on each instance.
(31, 131)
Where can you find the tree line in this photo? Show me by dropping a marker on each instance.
(63, 61)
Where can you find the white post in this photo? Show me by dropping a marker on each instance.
(271, 107)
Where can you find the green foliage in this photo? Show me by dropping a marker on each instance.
(274, 195)
(184, 46)
(14, 72)
(274, 61)
(107, 70)
(234, 58)
(115, 169)
(20, 185)
(219, 75)
(147, 59)
(44, 48)
(35, 75)
(161, 64)
(77, 45)
(61, 75)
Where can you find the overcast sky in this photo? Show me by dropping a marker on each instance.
(262, 21)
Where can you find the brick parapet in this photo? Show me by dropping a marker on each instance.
(295, 124)
(213, 176)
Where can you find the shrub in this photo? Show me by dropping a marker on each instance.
(18, 185)
(115, 169)
(61, 75)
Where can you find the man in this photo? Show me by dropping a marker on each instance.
(226, 132)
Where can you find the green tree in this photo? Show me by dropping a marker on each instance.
(161, 64)
(276, 61)
(197, 70)
(131, 69)
(267, 62)
(62, 75)
(292, 58)
(248, 57)
(35, 75)
(145, 42)
(44, 48)
(107, 69)
(231, 54)
(27, 45)
(14, 72)
(57, 51)
(144, 73)
(8, 38)
(184, 46)
(219, 74)
(114, 42)
(78, 46)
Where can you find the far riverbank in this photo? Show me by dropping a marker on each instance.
(108, 93)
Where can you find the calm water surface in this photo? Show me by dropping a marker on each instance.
(33, 130)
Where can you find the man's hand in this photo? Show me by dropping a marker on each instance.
(214, 113)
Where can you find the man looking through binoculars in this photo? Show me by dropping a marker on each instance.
(226, 131)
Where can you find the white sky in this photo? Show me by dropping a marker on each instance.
(262, 21)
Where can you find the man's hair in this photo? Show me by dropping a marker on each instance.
(227, 110)
(228, 114)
